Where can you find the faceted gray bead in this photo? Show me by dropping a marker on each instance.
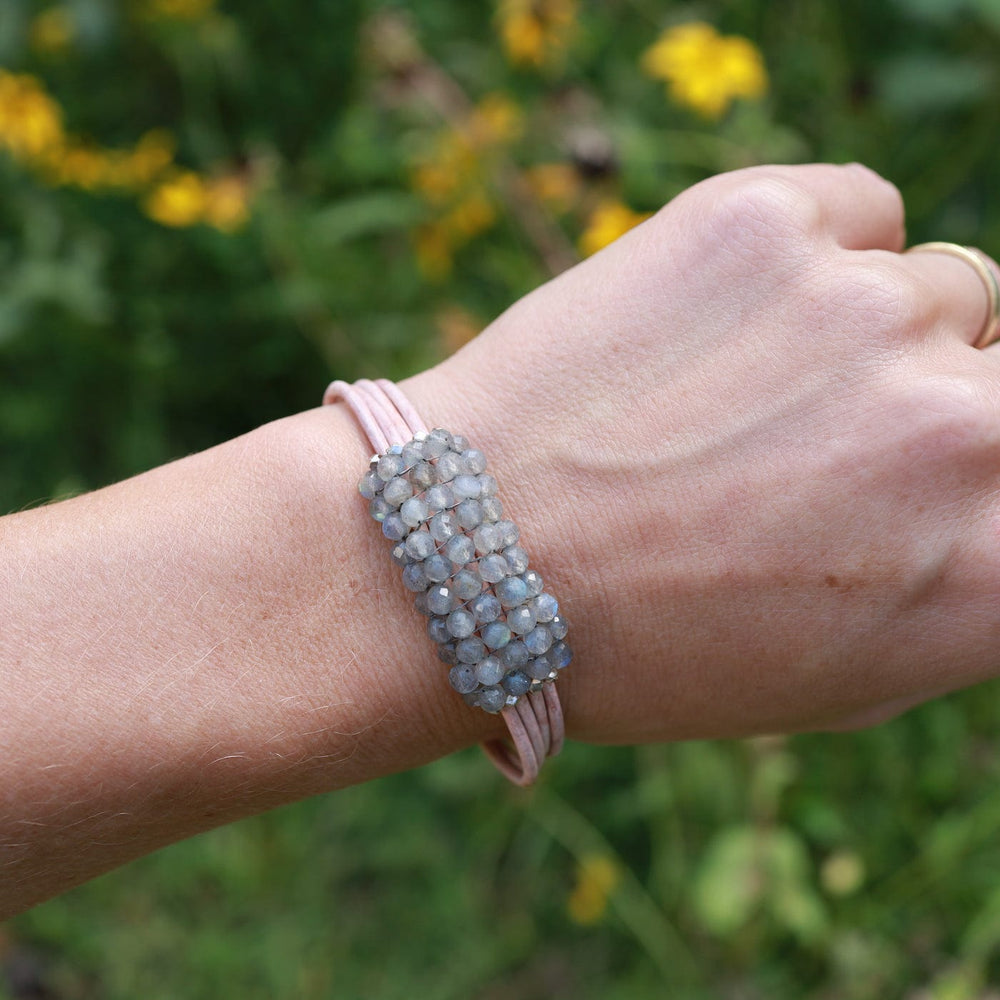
(488, 485)
(420, 603)
(492, 699)
(558, 627)
(440, 434)
(492, 509)
(437, 630)
(444, 525)
(370, 484)
(521, 620)
(517, 558)
(539, 668)
(400, 556)
(489, 671)
(433, 447)
(496, 635)
(460, 549)
(397, 491)
(414, 578)
(486, 608)
(390, 466)
(420, 545)
(379, 509)
(538, 640)
(509, 533)
(423, 475)
(466, 487)
(440, 600)
(393, 527)
(475, 461)
(447, 652)
(450, 465)
(437, 568)
(560, 654)
(463, 678)
(466, 585)
(493, 568)
(546, 607)
(459, 443)
(533, 581)
(516, 683)
(470, 650)
(461, 624)
(512, 591)
(412, 454)
(470, 514)
(514, 655)
(414, 512)
(440, 497)
(486, 539)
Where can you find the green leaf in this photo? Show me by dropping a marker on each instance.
(921, 82)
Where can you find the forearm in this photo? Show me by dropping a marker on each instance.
(199, 643)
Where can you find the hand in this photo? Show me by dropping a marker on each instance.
(752, 450)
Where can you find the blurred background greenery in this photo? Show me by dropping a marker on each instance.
(210, 208)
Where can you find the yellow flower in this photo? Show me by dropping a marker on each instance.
(473, 214)
(556, 184)
(706, 71)
(227, 204)
(495, 120)
(178, 201)
(596, 878)
(153, 153)
(53, 30)
(433, 249)
(180, 10)
(535, 32)
(30, 121)
(608, 221)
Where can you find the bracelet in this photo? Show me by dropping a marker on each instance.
(495, 627)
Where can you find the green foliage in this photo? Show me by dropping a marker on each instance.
(848, 867)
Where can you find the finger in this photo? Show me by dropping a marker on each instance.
(962, 294)
(852, 205)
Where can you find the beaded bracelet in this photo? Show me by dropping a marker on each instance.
(495, 627)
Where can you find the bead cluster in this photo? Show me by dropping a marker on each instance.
(498, 630)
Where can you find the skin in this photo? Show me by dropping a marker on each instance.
(749, 446)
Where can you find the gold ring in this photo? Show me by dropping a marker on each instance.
(991, 327)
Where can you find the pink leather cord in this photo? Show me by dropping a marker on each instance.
(535, 722)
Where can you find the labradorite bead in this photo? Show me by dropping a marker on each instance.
(400, 556)
(393, 527)
(466, 487)
(509, 533)
(389, 466)
(486, 608)
(470, 650)
(463, 678)
(489, 670)
(397, 491)
(538, 640)
(420, 603)
(420, 545)
(558, 627)
(517, 558)
(459, 443)
(514, 655)
(370, 484)
(546, 607)
(379, 509)
(466, 585)
(443, 526)
(437, 568)
(437, 630)
(412, 454)
(447, 653)
(470, 514)
(415, 578)
(493, 568)
(496, 635)
(492, 699)
(560, 654)
(539, 668)
(486, 539)
(521, 620)
(440, 434)
(414, 512)
(461, 624)
(475, 461)
(440, 600)
(422, 475)
(440, 497)
(448, 466)
(511, 591)
(433, 447)
(460, 549)
(516, 683)
(492, 509)
(533, 581)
